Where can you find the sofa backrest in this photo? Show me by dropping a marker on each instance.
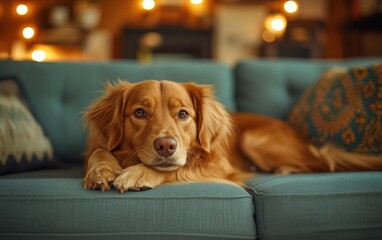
(59, 92)
(272, 87)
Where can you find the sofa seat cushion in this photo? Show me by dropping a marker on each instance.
(319, 206)
(56, 206)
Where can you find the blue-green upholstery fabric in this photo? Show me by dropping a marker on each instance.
(59, 92)
(272, 87)
(319, 206)
(53, 204)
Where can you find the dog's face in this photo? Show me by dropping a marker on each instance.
(158, 123)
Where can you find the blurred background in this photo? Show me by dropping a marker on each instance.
(161, 30)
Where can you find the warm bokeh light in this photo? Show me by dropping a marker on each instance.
(276, 24)
(148, 4)
(290, 6)
(196, 2)
(22, 9)
(38, 55)
(268, 36)
(28, 32)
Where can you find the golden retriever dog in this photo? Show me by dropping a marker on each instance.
(145, 134)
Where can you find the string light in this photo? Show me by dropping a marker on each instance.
(148, 4)
(290, 6)
(22, 9)
(276, 24)
(28, 32)
(38, 55)
(196, 2)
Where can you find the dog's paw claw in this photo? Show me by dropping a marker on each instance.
(101, 177)
(138, 189)
(145, 188)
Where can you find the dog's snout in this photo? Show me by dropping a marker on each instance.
(165, 146)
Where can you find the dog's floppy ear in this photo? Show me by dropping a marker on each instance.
(214, 124)
(105, 117)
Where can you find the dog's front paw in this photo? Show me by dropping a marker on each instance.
(101, 176)
(138, 177)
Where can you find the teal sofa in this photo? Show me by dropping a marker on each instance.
(52, 204)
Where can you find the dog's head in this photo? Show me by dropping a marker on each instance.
(162, 124)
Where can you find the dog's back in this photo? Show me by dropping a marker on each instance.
(274, 146)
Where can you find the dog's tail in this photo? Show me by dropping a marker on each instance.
(339, 160)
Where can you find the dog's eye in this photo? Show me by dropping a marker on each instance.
(183, 115)
(140, 113)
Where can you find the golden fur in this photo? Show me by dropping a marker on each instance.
(144, 134)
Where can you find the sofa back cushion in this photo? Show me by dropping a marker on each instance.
(272, 87)
(59, 92)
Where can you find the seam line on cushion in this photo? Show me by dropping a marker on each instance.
(308, 234)
(128, 234)
(28, 197)
(272, 183)
(332, 194)
(262, 216)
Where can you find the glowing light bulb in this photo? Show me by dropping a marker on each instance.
(22, 9)
(290, 6)
(196, 2)
(28, 32)
(148, 4)
(277, 24)
(38, 55)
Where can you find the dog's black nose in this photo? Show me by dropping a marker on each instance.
(165, 146)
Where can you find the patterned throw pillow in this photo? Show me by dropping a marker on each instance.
(23, 145)
(344, 107)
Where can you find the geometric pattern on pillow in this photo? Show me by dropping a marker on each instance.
(23, 145)
(344, 108)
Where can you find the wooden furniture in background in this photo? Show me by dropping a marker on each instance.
(177, 41)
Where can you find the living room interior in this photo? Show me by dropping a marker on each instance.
(157, 30)
(313, 64)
